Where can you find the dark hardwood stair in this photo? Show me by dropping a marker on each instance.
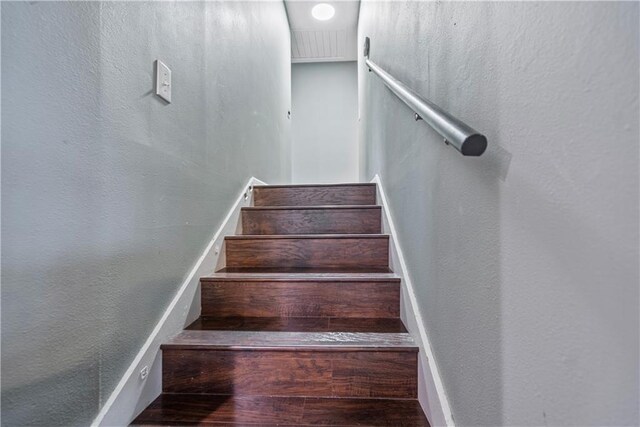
(202, 409)
(314, 195)
(291, 341)
(330, 364)
(298, 324)
(311, 251)
(305, 270)
(312, 220)
(301, 326)
(301, 295)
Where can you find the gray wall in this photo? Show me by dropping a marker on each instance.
(526, 259)
(324, 122)
(109, 196)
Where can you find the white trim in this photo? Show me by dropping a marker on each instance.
(132, 394)
(431, 392)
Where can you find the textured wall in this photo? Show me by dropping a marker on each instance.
(324, 129)
(109, 195)
(526, 259)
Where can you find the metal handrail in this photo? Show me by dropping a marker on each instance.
(464, 138)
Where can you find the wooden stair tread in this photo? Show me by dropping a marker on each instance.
(305, 270)
(306, 236)
(296, 341)
(344, 184)
(202, 409)
(301, 275)
(310, 207)
(299, 324)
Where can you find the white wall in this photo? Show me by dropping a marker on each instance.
(324, 122)
(525, 260)
(109, 195)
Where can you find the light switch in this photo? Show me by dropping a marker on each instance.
(163, 81)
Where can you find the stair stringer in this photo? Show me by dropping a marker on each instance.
(431, 393)
(133, 394)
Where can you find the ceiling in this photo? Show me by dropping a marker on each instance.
(323, 41)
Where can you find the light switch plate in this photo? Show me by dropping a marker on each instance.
(163, 81)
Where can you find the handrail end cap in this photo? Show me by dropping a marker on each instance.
(474, 145)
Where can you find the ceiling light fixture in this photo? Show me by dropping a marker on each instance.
(323, 11)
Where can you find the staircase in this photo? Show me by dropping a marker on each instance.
(302, 326)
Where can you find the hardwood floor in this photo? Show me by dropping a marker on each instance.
(301, 327)
(202, 409)
(306, 270)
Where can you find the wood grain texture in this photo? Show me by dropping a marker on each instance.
(199, 409)
(304, 275)
(352, 324)
(388, 374)
(298, 324)
(190, 409)
(291, 341)
(312, 220)
(300, 298)
(314, 195)
(303, 270)
(314, 251)
(361, 412)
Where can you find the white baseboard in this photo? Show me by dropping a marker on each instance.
(431, 394)
(133, 394)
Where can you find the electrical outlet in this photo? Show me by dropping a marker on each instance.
(144, 372)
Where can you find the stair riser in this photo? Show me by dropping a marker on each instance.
(387, 374)
(298, 324)
(312, 221)
(301, 299)
(308, 252)
(315, 196)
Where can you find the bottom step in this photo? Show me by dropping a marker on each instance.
(302, 364)
(198, 409)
